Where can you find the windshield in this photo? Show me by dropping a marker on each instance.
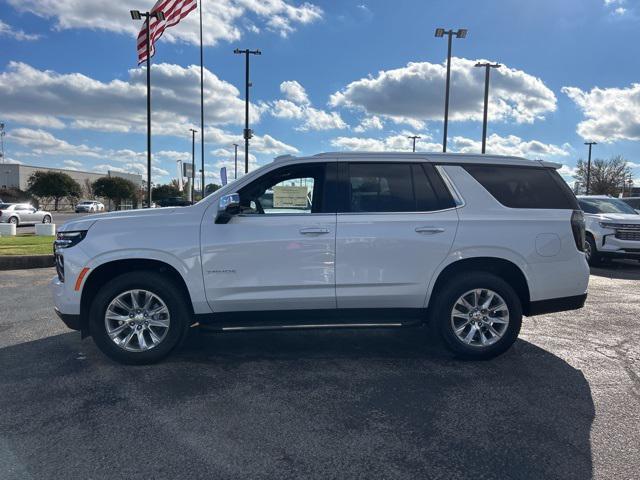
(4, 206)
(85, 203)
(605, 205)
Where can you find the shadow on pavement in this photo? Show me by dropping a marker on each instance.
(366, 404)
(619, 269)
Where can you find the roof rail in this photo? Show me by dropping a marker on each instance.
(280, 158)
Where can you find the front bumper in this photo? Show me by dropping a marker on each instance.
(71, 321)
(612, 247)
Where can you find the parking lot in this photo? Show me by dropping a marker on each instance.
(563, 403)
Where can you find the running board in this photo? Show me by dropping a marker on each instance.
(310, 327)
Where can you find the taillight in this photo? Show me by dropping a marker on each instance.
(578, 228)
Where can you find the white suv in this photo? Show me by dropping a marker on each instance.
(612, 228)
(466, 243)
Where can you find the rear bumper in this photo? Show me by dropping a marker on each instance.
(553, 305)
(71, 321)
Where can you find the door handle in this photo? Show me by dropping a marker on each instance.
(429, 230)
(314, 231)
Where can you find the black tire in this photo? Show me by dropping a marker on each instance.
(448, 295)
(591, 251)
(161, 286)
(15, 221)
(46, 219)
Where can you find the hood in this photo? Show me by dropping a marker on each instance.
(87, 221)
(617, 217)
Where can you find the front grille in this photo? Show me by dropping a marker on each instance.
(630, 235)
(628, 226)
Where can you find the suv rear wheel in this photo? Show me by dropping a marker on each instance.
(139, 318)
(478, 315)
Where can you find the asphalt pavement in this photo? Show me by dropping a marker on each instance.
(563, 403)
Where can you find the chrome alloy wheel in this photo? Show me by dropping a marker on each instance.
(587, 251)
(137, 320)
(480, 317)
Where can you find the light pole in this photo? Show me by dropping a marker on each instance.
(588, 186)
(247, 133)
(441, 32)
(193, 162)
(235, 145)
(137, 15)
(2, 134)
(487, 69)
(414, 137)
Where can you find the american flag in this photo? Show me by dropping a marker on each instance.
(174, 11)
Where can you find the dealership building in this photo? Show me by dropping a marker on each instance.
(13, 175)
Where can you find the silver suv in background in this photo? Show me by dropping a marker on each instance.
(612, 228)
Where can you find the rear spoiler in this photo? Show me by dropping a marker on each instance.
(553, 165)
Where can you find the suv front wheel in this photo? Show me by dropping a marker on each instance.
(478, 315)
(139, 318)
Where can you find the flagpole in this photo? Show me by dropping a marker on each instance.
(149, 111)
(202, 100)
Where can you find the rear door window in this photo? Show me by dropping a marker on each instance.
(524, 187)
(374, 187)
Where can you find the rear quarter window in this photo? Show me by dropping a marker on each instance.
(524, 187)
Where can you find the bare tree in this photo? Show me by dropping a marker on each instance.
(607, 177)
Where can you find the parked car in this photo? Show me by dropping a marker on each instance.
(633, 202)
(466, 243)
(90, 206)
(612, 228)
(23, 214)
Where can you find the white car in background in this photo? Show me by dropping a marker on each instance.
(89, 206)
(612, 228)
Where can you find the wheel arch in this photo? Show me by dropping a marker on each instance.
(501, 267)
(101, 274)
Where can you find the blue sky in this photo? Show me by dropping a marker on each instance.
(339, 75)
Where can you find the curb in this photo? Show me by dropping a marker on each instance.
(22, 262)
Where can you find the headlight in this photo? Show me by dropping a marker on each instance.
(69, 239)
(612, 226)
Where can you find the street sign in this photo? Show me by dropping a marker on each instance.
(187, 170)
(223, 176)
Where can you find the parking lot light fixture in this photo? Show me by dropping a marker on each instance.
(487, 66)
(588, 186)
(441, 32)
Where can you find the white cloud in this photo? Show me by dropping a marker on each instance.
(295, 92)
(46, 98)
(416, 93)
(222, 18)
(497, 145)
(296, 105)
(610, 113)
(41, 142)
(509, 145)
(369, 123)
(72, 163)
(7, 30)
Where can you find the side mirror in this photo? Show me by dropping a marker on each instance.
(228, 206)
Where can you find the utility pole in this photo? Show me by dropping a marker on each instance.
(235, 145)
(2, 134)
(193, 163)
(247, 132)
(441, 32)
(487, 69)
(414, 137)
(588, 187)
(201, 102)
(137, 15)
